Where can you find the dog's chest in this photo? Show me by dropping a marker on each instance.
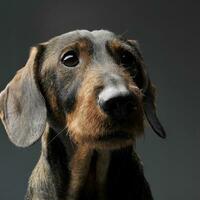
(88, 176)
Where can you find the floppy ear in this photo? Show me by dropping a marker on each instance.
(22, 107)
(149, 94)
(150, 110)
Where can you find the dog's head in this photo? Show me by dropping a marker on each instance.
(93, 83)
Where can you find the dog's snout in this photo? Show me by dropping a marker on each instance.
(118, 103)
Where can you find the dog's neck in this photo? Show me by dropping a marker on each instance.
(81, 171)
(71, 172)
(88, 168)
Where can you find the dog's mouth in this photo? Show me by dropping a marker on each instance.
(118, 135)
(112, 140)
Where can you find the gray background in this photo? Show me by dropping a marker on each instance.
(169, 35)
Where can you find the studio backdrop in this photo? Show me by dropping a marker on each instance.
(168, 34)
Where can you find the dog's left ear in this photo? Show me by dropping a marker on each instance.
(150, 110)
(149, 94)
(22, 107)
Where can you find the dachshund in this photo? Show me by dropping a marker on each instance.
(87, 95)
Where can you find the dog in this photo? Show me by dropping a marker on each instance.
(87, 96)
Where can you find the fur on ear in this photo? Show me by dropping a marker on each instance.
(150, 111)
(22, 106)
(149, 95)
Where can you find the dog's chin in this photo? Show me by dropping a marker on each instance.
(114, 140)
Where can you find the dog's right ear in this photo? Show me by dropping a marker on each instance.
(22, 106)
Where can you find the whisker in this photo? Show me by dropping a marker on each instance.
(57, 135)
(70, 140)
(124, 33)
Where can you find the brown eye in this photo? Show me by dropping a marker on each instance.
(126, 58)
(70, 59)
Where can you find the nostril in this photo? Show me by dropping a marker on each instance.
(119, 106)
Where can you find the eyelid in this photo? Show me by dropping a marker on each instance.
(71, 47)
(127, 47)
(127, 51)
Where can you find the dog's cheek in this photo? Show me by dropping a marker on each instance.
(50, 90)
(136, 122)
(86, 120)
(69, 96)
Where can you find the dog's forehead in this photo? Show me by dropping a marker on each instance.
(96, 37)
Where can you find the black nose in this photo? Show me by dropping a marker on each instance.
(119, 106)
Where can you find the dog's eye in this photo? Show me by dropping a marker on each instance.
(126, 58)
(70, 59)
